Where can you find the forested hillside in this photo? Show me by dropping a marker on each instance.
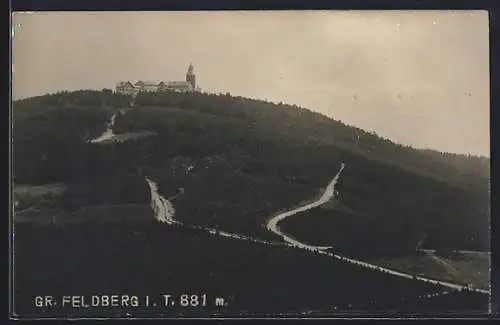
(404, 193)
(249, 159)
(231, 163)
(50, 132)
(305, 126)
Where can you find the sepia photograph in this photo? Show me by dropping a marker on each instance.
(250, 164)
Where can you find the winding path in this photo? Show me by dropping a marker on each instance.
(164, 212)
(272, 225)
(327, 195)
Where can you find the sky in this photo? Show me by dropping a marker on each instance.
(419, 78)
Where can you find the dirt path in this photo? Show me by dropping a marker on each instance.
(164, 212)
(328, 195)
(108, 134)
(272, 225)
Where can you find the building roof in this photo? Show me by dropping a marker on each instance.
(178, 84)
(167, 84)
(175, 84)
(124, 83)
(149, 83)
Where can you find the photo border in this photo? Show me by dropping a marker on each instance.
(491, 6)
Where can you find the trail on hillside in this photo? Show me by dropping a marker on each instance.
(108, 134)
(163, 209)
(164, 212)
(272, 225)
(450, 268)
(328, 195)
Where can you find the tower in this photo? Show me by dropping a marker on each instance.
(190, 76)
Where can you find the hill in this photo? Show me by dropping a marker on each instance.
(249, 159)
(232, 163)
(403, 191)
(306, 127)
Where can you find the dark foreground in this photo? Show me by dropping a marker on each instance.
(229, 278)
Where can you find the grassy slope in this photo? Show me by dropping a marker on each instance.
(253, 278)
(460, 268)
(32, 197)
(106, 215)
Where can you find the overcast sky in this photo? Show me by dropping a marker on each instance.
(418, 78)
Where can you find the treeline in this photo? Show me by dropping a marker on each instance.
(254, 175)
(230, 189)
(239, 178)
(256, 153)
(371, 235)
(303, 125)
(251, 159)
(249, 118)
(253, 279)
(25, 108)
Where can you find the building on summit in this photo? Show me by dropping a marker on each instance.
(190, 76)
(189, 85)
